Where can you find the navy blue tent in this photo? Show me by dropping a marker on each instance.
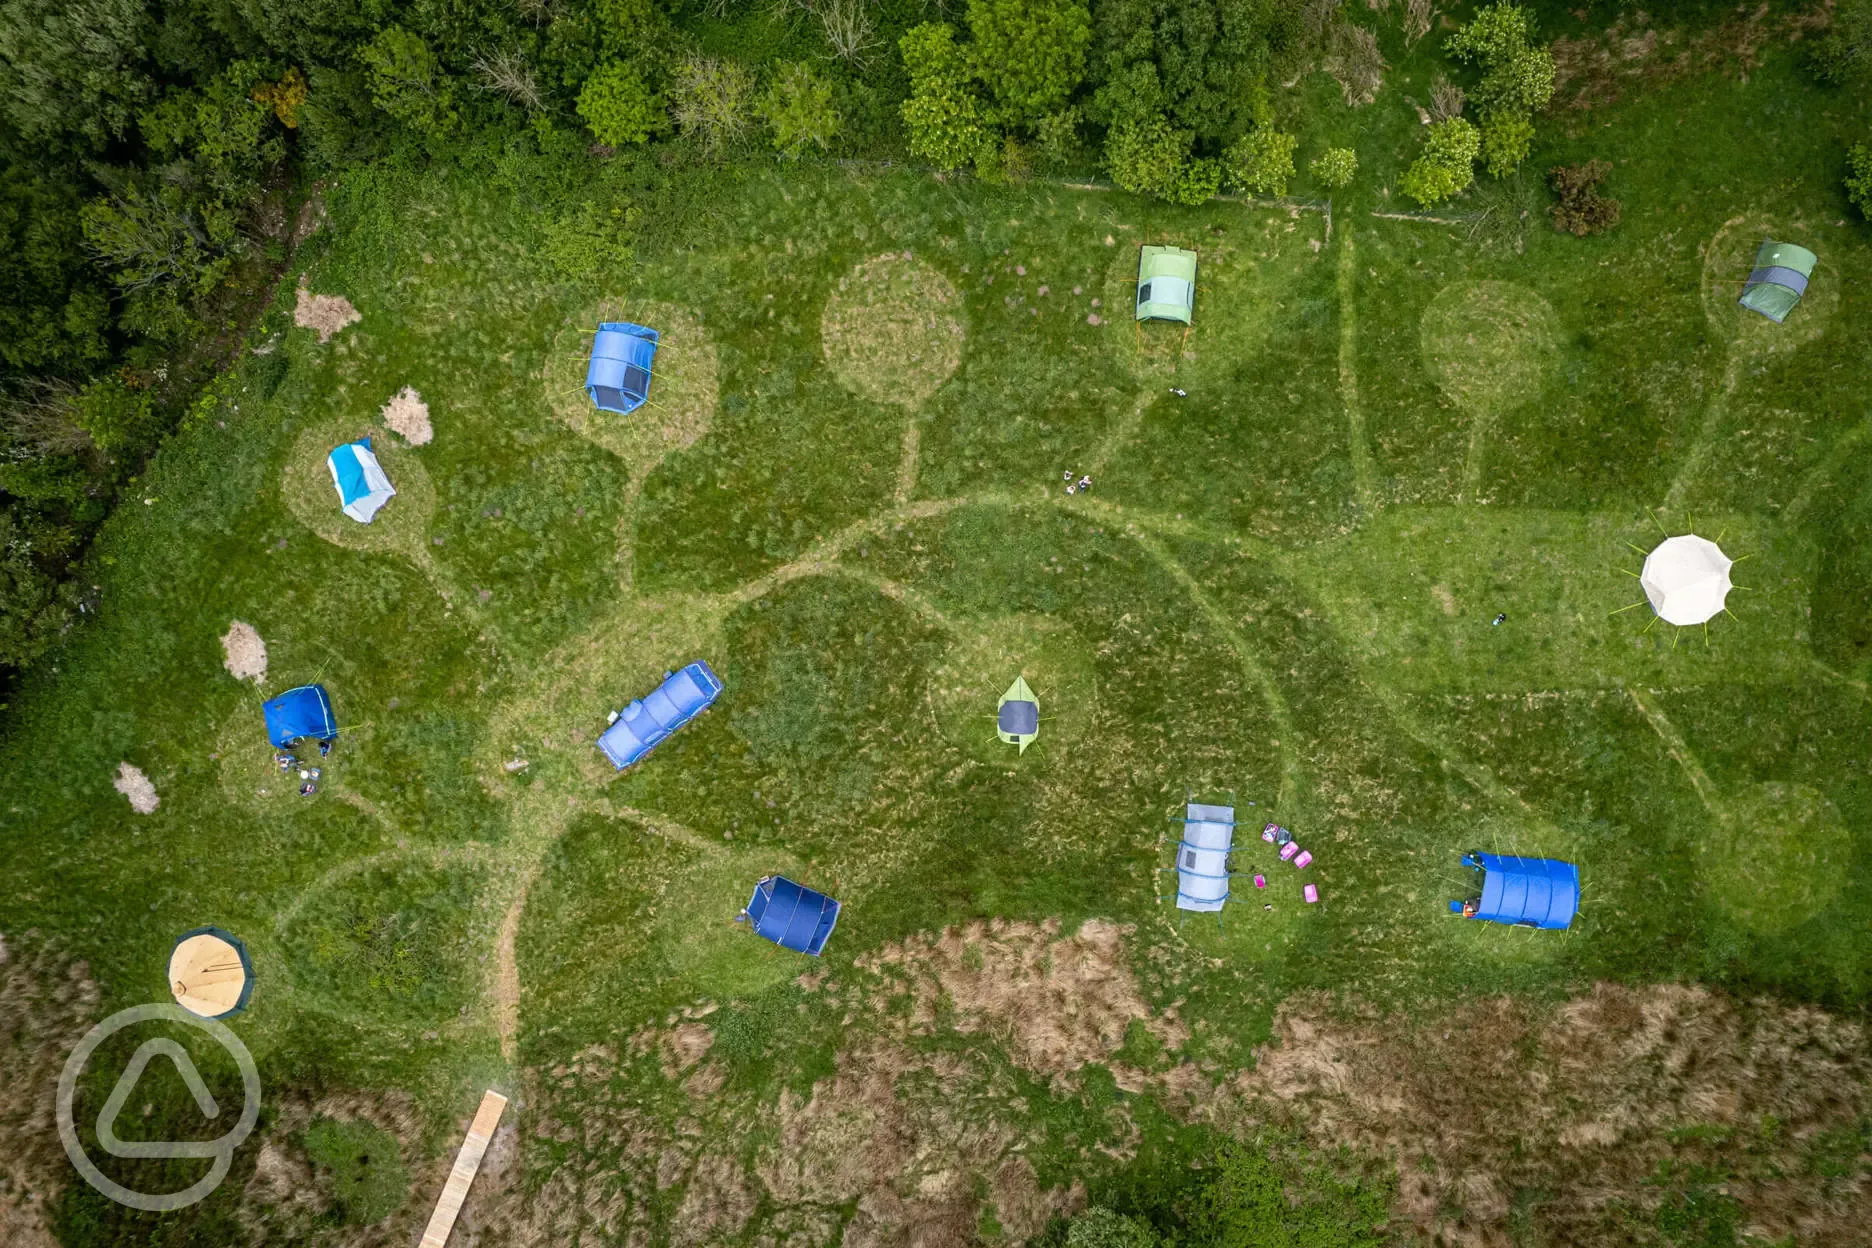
(302, 712)
(1533, 892)
(618, 379)
(791, 915)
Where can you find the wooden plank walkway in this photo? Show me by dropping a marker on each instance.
(467, 1162)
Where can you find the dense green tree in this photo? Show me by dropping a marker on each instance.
(1147, 155)
(619, 106)
(1506, 140)
(1030, 54)
(1517, 80)
(946, 121)
(408, 82)
(165, 244)
(71, 72)
(797, 107)
(1206, 57)
(1844, 54)
(1334, 168)
(1446, 166)
(712, 100)
(54, 312)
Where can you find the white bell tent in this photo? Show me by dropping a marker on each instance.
(1687, 579)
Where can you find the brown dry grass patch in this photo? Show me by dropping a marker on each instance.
(244, 653)
(1596, 71)
(327, 314)
(892, 330)
(408, 416)
(46, 1006)
(133, 784)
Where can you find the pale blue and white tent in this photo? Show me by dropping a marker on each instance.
(362, 485)
(1202, 861)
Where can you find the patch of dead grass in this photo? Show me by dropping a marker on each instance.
(408, 416)
(1596, 71)
(245, 654)
(1354, 61)
(327, 314)
(133, 784)
(46, 1006)
(892, 330)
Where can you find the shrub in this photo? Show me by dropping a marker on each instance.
(1334, 168)
(33, 606)
(798, 109)
(113, 415)
(1056, 138)
(592, 240)
(1582, 210)
(1844, 55)
(1147, 156)
(1030, 54)
(712, 100)
(946, 122)
(618, 107)
(1859, 178)
(1261, 161)
(1101, 1228)
(1506, 138)
(1198, 183)
(1447, 165)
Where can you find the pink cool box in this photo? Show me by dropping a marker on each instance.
(1260, 881)
(1289, 850)
(1303, 858)
(1311, 893)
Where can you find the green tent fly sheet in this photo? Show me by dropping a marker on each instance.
(1779, 279)
(1166, 284)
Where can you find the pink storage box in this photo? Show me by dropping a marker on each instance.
(1302, 858)
(1289, 850)
(1260, 881)
(1311, 893)
(1267, 833)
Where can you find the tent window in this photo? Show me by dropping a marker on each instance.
(1144, 293)
(636, 381)
(1189, 859)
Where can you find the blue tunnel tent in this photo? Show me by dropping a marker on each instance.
(618, 379)
(1202, 857)
(302, 712)
(1531, 892)
(791, 915)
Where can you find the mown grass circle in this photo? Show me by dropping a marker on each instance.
(402, 526)
(1490, 346)
(1779, 857)
(696, 934)
(892, 330)
(965, 687)
(686, 384)
(1728, 259)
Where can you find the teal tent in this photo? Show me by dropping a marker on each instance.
(1779, 279)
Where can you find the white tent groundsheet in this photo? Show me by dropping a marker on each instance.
(1687, 579)
(1202, 857)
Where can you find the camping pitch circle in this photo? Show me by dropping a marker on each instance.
(892, 330)
(965, 686)
(1491, 346)
(1728, 259)
(1778, 858)
(680, 409)
(403, 524)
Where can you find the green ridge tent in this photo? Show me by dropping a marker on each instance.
(1166, 284)
(1778, 280)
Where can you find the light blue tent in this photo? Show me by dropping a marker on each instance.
(1203, 856)
(302, 712)
(618, 379)
(791, 915)
(1526, 892)
(362, 485)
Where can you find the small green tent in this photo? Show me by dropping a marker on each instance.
(1017, 719)
(1166, 284)
(1779, 279)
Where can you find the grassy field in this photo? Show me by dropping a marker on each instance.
(848, 498)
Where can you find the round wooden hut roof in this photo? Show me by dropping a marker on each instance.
(209, 973)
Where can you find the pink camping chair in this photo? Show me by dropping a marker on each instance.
(1267, 833)
(1302, 858)
(1289, 850)
(1311, 893)
(1260, 881)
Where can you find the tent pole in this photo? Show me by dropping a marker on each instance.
(1627, 608)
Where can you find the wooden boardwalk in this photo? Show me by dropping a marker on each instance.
(467, 1162)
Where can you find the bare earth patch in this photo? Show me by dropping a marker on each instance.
(892, 331)
(408, 416)
(133, 784)
(245, 654)
(325, 313)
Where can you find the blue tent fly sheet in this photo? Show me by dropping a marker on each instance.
(640, 726)
(362, 486)
(618, 379)
(791, 915)
(1532, 892)
(302, 712)
(1202, 857)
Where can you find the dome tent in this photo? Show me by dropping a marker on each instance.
(302, 712)
(1017, 718)
(791, 915)
(209, 973)
(618, 378)
(1686, 579)
(362, 486)
(1779, 279)
(1166, 284)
